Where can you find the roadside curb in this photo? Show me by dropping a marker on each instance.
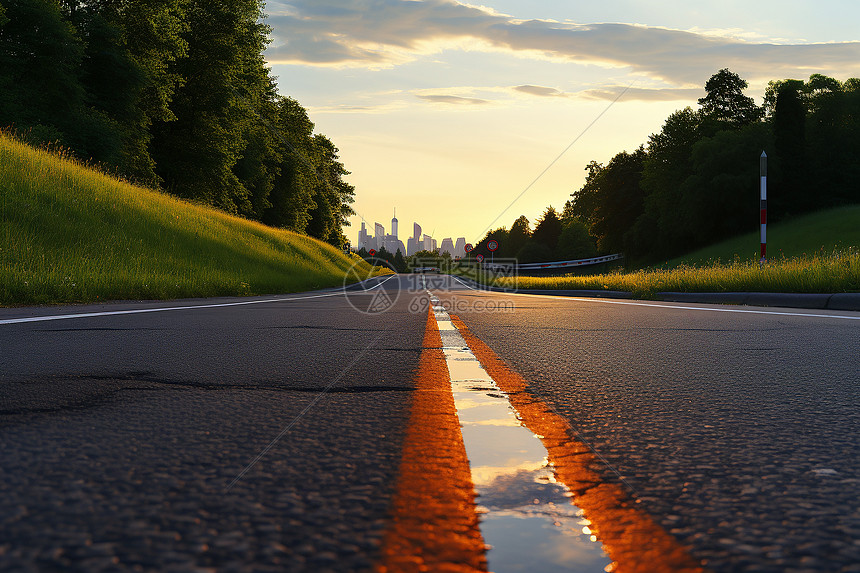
(617, 294)
(834, 301)
(554, 292)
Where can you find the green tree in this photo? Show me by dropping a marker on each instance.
(258, 166)
(548, 229)
(113, 82)
(789, 132)
(518, 235)
(501, 236)
(175, 93)
(583, 202)
(196, 154)
(773, 89)
(834, 148)
(400, 264)
(619, 199)
(667, 164)
(155, 35)
(127, 49)
(720, 199)
(292, 194)
(40, 54)
(725, 101)
(575, 242)
(534, 252)
(333, 195)
(382, 255)
(424, 258)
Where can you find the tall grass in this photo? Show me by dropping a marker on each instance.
(837, 272)
(72, 234)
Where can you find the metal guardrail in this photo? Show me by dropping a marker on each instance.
(556, 264)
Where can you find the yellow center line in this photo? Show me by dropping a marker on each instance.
(630, 537)
(434, 525)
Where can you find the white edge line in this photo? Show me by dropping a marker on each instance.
(458, 279)
(699, 308)
(169, 308)
(664, 305)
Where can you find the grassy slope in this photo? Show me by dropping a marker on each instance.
(802, 275)
(70, 234)
(823, 232)
(813, 253)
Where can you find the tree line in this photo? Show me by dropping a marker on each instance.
(173, 94)
(556, 237)
(697, 180)
(395, 261)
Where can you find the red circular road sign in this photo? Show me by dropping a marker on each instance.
(493, 245)
(468, 247)
(372, 252)
(480, 258)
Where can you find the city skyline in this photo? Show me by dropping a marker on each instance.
(419, 241)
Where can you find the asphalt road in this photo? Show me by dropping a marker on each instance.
(737, 430)
(122, 435)
(267, 436)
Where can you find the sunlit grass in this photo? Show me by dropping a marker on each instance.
(72, 234)
(821, 232)
(837, 272)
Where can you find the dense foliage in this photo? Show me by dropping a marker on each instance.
(555, 237)
(173, 94)
(697, 180)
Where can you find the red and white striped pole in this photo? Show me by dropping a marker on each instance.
(763, 205)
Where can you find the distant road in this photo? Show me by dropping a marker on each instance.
(267, 436)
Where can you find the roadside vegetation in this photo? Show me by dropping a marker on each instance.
(820, 233)
(814, 253)
(696, 181)
(683, 207)
(820, 273)
(73, 234)
(175, 95)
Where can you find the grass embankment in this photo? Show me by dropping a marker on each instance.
(816, 253)
(72, 234)
(805, 236)
(819, 274)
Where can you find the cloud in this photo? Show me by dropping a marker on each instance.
(642, 94)
(349, 109)
(457, 100)
(611, 93)
(384, 33)
(540, 91)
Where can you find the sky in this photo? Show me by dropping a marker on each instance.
(464, 116)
